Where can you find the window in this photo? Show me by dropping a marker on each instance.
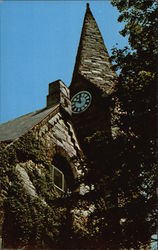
(59, 180)
(63, 176)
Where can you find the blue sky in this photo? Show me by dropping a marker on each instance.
(39, 41)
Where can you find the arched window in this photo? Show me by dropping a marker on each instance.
(62, 174)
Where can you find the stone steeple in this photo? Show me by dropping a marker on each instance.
(92, 61)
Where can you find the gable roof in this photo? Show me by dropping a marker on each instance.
(13, 129)
(92, 61)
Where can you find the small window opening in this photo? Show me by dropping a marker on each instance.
(59, 180)
(62, 174)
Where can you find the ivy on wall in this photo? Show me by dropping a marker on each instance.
(29, 221)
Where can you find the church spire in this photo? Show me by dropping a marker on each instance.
(88, 8)
(92, 61)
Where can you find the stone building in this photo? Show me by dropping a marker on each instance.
(43, 152)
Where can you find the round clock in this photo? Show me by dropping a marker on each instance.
(81, 101)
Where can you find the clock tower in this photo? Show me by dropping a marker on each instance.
(93, 84)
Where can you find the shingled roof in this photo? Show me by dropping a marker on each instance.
(92, 61)
(13, 129)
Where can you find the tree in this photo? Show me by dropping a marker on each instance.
(124, 169)
(137, 84)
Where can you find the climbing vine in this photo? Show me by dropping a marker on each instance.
(29, 221)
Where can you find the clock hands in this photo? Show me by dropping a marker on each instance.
(81, 101)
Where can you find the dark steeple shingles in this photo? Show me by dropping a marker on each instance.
(92, 61)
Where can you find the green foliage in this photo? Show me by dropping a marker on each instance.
(123, 171)
(29, 221)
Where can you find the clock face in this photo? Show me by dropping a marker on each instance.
(81, 101)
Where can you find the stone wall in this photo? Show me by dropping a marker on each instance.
(93, 62)
(28, 182)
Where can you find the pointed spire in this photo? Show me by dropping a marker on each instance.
(88, 8)
(92, 61)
